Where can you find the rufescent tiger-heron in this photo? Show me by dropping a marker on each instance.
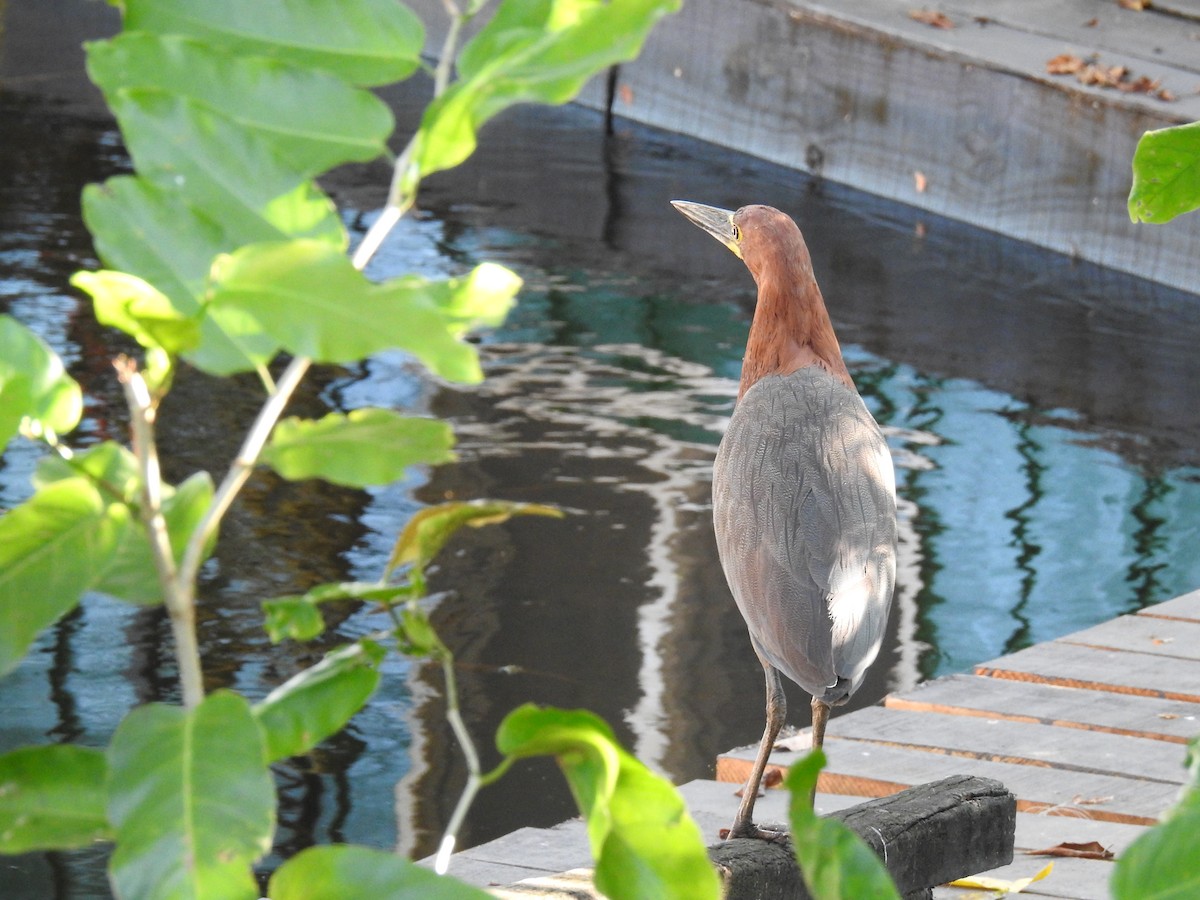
(804, 500)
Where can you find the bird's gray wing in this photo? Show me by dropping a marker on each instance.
(804, 509)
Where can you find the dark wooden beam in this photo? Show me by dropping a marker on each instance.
(927, 835)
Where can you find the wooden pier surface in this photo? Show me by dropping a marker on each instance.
(1087, 731)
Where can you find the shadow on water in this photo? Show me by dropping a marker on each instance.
(1041, 414)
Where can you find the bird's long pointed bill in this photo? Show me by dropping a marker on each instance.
(714, 220)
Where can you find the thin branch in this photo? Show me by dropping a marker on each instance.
(242, 467)
(176, 595)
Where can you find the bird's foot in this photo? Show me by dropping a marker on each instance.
(773, 835)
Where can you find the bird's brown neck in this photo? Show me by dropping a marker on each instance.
(791, 329)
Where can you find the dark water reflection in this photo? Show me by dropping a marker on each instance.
(1042, 416)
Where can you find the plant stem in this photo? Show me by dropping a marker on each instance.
(177, 594)
(474, 774)
(241, 468)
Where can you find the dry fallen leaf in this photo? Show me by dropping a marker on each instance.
(626, 93)
(771, 778)
(1090, 850)
(1091, 23)
(1064, 64)
(1091, 72)
(920, 182)
(932, 18)
(999, 884)
(1168, 715)
(1135, 5)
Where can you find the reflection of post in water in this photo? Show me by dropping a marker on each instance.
(1149, 542)
(918, 562)
(1021, 515)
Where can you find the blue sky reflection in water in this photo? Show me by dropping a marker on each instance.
(1045, 434)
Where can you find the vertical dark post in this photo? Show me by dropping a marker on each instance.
(610, 97)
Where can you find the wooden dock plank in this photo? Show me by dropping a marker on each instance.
(1144, 634)
(1027, 744)
(876, 770)
(1173, 721)
(1185, 607)
(1073, 665)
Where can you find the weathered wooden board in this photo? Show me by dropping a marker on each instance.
(1073, 665)
(859, 93)
(1173, 721)
(521, 854)
(1144, 634)
(876, 770)
(1185, 607)
(1027, 744)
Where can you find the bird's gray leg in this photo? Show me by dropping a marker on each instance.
(743, 823)
(820, 715)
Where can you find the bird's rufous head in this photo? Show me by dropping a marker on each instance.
(761, 236)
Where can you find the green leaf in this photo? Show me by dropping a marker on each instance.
(53, 548)
(313, 120)
(33, 384)
(540, 51)
(429, 529)
(127, 302)
(345, 872)
(128, 572)
(109, 465)
(139, 309)
(644, 841)
(231, 172)
(1166, 174)
(131, 575)
(318, 702)
(192, 801)
(52, 798)
(311, 299)
(417, 634)
(1162, 863)
(292, 617)
(151, 232)
(367, 42)
(835, 863)
(364, 447)
(298, 617)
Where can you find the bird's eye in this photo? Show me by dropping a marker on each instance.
(737, 233)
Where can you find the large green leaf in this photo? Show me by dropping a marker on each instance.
(361, 448)
(1162, 864)
(191, 799)
(1166, 174)
(128, 572)
(318, 702)
(150, 231)
(367, 42)
(314, 120)
(835, 863)
(229, 171)
(345, 872)
(53, 548)
(645, 842)
(530, 51)
(33, 384)
(312, 300)
(429, 529)
(52, 798)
